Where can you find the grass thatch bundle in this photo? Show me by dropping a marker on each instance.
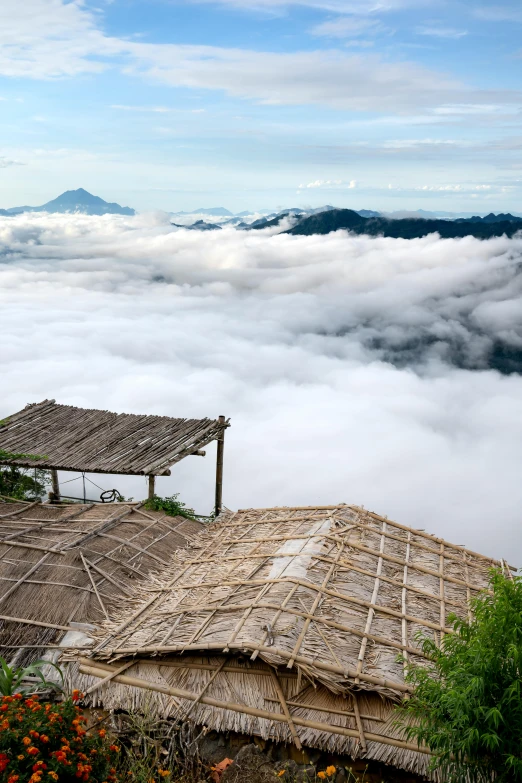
(288, 623)
(64, 566)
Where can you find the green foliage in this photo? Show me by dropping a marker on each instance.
(12, 679)
(50, 742)
(22, 483)
(171, 506)
(5, 455)
(467, 703)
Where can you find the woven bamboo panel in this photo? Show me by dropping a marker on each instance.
(340, 591)
(70, 438)
(68, 564)
(292, 624)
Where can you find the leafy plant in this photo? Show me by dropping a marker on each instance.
(50, 741)
(171, 506)
(12, 679)
(22, 483)
(467, 703)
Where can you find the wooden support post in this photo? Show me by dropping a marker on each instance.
(152, 489)
(56, 486)
(219, 468)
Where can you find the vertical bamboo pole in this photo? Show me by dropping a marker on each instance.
(219, 468)
(56, 485)
(152, 488)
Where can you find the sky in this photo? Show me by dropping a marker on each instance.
(176, 105)
(353, 369)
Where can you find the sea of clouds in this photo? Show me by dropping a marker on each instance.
(371, 371)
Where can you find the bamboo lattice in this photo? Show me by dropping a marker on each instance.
(328, 597)
(63, 564)
(80, 439)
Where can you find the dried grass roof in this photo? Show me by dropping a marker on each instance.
(328, 595)
(68, 563)
(80, 439)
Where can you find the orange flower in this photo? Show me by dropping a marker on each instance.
(115, 748)
(34, 734)
(53, 775)
(12, 778)
(26, 740)
(331, 770)
(20, 757)
(321, 775)
(164, 772)
(32, 751)
(44, 738)
(102, 733)
(76, 695)
(281, 773)
(39, 764)
(4, 707)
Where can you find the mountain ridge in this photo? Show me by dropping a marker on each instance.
(74, 201)
(405, 228)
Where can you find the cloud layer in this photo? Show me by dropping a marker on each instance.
(46, 39)
(353, 369)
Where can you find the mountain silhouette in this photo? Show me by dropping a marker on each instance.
(79, 200)
(406, 228)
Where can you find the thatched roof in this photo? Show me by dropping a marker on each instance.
(327, 596)
(65, 565)
(94, 441)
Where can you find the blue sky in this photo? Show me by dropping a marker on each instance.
(250, 105)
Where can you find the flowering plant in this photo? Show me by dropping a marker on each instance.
(46, 742)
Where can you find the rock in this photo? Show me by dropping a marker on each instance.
(290, 767)
(305, 775)
(250, 766)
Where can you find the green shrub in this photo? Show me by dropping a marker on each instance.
(467, 703)
(22, 483)
(171, 506)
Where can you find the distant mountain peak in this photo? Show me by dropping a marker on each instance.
(79, 200)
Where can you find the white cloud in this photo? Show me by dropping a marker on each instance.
(346, 27)
(46, 39)
(5, 162)
(351, 367)
(146, 109)
(329, 183)
(454, 188)
(337, 6)
(442, 32)
(499, 13)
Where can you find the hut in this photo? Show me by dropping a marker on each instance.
(66, 438)
(290, 624)
(62, 568)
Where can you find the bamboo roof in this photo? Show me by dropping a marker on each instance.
(79, 439)
(65, 565)
(324, 596)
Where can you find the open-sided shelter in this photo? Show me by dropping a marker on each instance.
(292, 624)
(62, 437)
(62, 568)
